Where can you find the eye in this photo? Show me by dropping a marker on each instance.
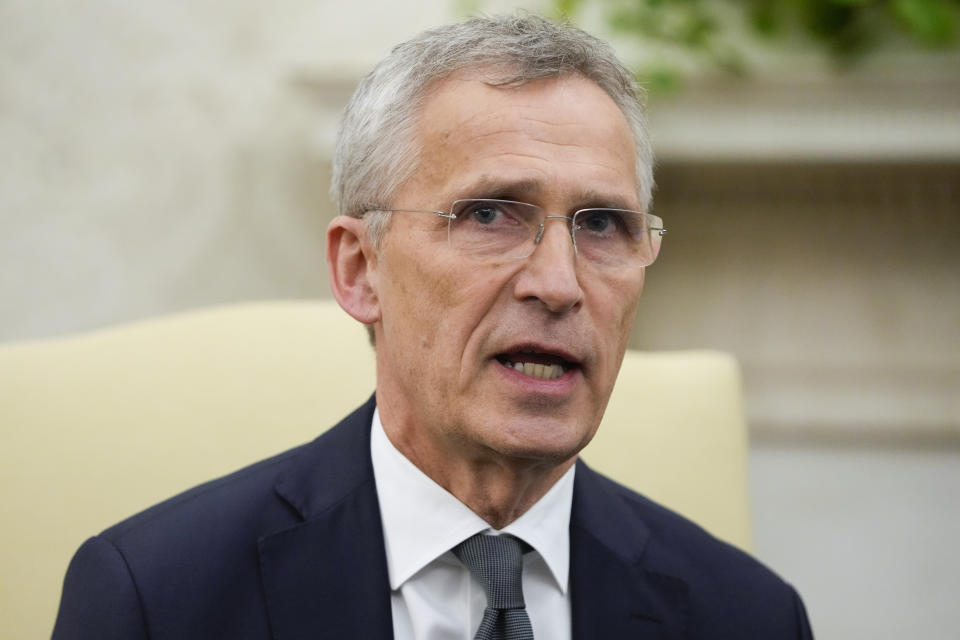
(490, 215)
(601, 222)
(484, 213)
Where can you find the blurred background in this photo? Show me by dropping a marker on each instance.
(167, 156)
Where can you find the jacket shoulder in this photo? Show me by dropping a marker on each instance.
(193, 553)
(254, 499)
(214, 500)
(727, 588)
(190, 566)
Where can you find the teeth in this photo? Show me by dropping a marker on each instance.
(537, 370)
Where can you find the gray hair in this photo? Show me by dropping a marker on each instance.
(376, 150)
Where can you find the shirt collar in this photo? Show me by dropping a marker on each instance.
(422, 520)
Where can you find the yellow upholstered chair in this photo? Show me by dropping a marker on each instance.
(98, 426)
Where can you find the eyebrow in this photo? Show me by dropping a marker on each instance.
(494, 188)
(497, 188)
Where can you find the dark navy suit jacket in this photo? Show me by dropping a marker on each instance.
(292, 548)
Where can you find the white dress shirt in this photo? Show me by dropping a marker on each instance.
(433, 596)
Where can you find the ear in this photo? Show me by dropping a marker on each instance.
(352, 264)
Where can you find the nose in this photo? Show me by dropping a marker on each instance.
(549, 275)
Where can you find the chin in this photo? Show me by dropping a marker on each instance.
(543, 441)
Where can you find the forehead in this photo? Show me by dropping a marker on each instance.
(556, 136)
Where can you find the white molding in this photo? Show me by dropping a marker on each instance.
(912, 113)
(818, 118)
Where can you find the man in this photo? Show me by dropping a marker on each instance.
(494, 179)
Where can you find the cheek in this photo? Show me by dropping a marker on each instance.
(629, 316)
(631, 299)
(621, 300)
(460, 293)
(436, 304)
(406, 309)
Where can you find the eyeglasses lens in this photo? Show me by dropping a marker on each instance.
(508, 230)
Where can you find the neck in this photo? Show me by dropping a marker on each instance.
(499, 488)
(498, 493)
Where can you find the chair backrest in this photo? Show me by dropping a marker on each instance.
(98, 426)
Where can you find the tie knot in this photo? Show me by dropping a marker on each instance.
(497, 562)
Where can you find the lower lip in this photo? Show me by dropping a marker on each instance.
(556, 386)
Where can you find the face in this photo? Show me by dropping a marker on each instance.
(452, 328)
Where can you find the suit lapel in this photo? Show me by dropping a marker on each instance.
(614, 594)
(326, 577)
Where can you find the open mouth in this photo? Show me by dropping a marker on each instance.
(537, 364)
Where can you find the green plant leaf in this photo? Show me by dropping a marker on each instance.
(827, 20)
(566, 8)
(660, 81)
(932, 22)
(764, 17)
(699, 29)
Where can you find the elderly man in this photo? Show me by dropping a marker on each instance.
(494, 179)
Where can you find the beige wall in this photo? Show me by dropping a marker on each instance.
(837, 285)
(161, 156)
